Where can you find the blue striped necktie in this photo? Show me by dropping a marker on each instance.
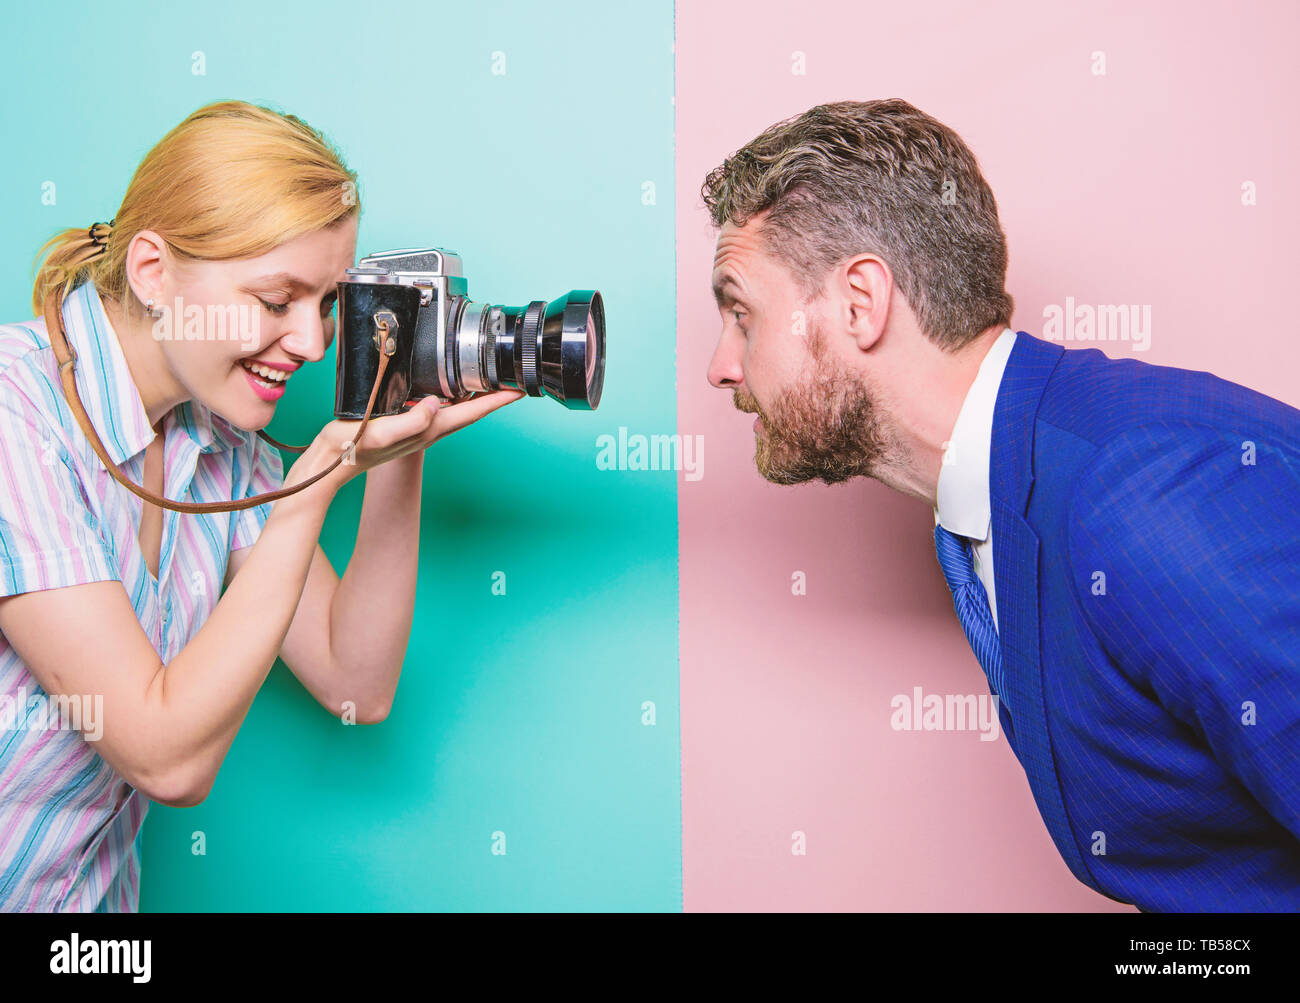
(972, 605)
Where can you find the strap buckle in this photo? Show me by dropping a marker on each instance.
(385, 322)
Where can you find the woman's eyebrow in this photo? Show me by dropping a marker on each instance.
(285, 279)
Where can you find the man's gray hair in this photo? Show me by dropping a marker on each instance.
(879, 177)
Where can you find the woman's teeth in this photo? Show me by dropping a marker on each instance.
(270, 377)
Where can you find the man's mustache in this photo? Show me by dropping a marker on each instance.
(745, 402)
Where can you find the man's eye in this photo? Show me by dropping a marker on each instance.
(738, 315)
(278, 309)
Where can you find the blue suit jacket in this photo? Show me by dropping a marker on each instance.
(1146, 554)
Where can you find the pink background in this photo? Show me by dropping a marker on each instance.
(1123, 188)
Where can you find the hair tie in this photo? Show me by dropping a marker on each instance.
(98, 234)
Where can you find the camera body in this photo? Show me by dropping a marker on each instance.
(446, 345)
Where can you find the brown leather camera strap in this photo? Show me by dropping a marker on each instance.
(67, 364)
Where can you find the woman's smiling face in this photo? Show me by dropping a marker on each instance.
(273, 312)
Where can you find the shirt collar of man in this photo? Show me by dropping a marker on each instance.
(109, 394)
(963, 492)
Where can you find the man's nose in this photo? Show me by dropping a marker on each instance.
(724, 368)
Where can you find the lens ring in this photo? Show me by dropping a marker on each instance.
(526, 344)
(596, 318)
(493, 320)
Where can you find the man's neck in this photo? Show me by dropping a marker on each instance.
(925, 412)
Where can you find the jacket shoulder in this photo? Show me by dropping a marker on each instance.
(1099, 399)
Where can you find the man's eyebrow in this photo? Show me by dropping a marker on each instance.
(721, 287)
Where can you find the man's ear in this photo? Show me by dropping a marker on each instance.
(866, 287)
(146, 265)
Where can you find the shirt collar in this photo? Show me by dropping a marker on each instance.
(109, 393)
(963, 492)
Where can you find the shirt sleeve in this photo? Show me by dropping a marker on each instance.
(267, 475)
(1202, 591)
(50, 537)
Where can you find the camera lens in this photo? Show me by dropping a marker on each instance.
(555, 348)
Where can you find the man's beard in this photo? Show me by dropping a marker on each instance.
(826, 427)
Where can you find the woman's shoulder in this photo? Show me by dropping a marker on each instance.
(21, 339)
(29, 373)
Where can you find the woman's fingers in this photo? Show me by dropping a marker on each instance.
(453, 417)
(391, 429)
(425, 422)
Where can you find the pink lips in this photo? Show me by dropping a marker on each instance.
(283, 367)
(268, 394)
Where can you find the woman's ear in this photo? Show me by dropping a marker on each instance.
(146, 266)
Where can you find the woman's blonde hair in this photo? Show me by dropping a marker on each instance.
(233, 180)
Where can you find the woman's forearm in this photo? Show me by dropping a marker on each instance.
(203, 694)
(370, 618)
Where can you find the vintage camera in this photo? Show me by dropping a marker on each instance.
(448, 346)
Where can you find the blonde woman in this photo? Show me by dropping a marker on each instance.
(113, 617)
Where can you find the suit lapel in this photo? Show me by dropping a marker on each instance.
(1015, 572)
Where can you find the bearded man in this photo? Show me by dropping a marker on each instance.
(1119, 537)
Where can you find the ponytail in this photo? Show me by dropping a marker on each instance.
(70, 256)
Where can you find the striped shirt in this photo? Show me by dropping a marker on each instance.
(69, 823)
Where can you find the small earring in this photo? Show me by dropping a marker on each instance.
(148, 308)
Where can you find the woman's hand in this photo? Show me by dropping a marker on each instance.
(390, 436)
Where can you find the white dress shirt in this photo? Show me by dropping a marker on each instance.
(963, 495)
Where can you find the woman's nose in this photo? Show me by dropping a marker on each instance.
(310, 337)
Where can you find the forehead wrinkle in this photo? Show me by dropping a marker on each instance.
(726, 277)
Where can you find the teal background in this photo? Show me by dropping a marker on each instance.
(520, 713)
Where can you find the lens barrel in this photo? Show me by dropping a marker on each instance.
(556, 349)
